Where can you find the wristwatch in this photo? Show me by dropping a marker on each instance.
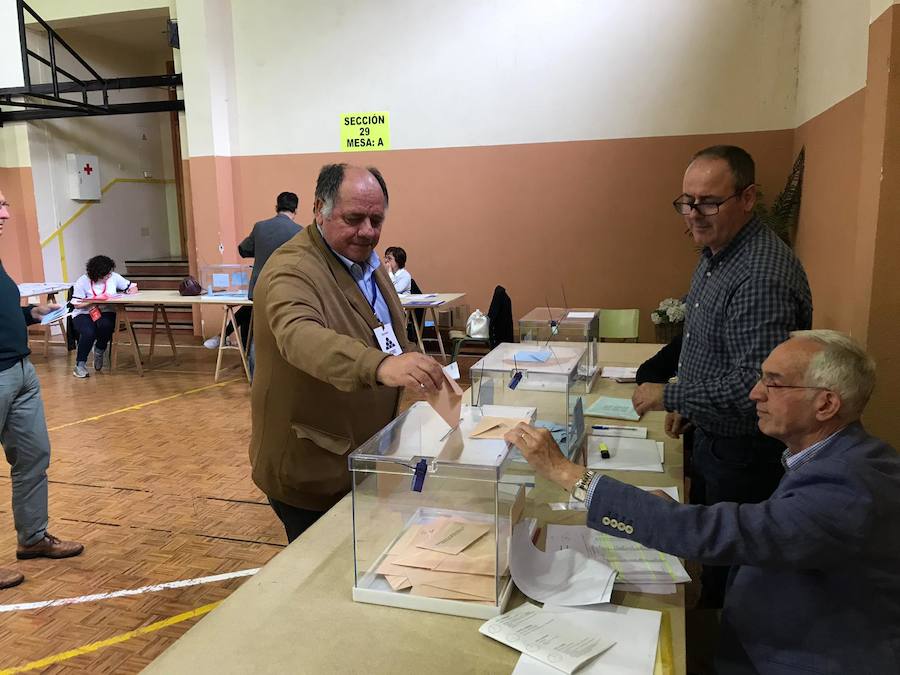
(579, 492)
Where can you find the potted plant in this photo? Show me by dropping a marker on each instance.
(668, 319)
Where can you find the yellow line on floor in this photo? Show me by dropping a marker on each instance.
(138, 406)
(94, 646)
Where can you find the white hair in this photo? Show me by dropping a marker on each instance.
(842, 366)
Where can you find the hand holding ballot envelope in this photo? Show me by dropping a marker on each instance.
(39, 311)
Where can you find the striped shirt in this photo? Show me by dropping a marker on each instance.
(797, 460)
(743, 301)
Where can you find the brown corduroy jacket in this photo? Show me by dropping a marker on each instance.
(314, 397)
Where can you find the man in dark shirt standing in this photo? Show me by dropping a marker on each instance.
(23, 429)
(747, 294)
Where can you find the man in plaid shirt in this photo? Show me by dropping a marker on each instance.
(747, 294)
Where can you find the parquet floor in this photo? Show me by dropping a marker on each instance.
(157, 486)
(158, 494)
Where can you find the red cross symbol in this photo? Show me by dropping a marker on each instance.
(88, 169)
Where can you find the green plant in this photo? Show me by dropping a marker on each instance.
(784, 213)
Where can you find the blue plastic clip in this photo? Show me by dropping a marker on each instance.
(516, 378)
(419, 475)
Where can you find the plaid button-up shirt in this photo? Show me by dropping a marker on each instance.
(743, 302)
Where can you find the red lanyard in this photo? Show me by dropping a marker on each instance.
(95, 293)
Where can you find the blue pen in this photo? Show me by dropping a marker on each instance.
(613, 428)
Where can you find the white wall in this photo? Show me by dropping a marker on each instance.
(131, 220)
(486, 72)
(877, 7)
(834, 47)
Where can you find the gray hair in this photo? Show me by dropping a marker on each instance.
(331, 176)
(842, 366)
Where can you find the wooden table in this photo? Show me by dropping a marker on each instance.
(158, 300)
(296, 615)
(50, 289)
(438, 301)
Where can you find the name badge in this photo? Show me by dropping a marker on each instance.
(387, 340)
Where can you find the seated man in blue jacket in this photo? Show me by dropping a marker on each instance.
(816, 582)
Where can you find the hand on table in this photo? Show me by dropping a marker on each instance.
(542, 453)
(413, 370)
(676, 424)
(132, 289)
(647, 397)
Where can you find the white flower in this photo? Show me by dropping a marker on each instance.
(669, 302)
(655, 317)
(676, 314)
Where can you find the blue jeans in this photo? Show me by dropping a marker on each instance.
(23, 433)
(90, 332)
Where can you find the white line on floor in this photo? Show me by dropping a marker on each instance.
(134, 591)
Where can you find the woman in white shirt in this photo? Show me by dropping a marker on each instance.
(395, 260)
(93, 320)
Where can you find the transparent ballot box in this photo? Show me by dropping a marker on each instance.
(543, 375)
(565, 325)
(432, 515)
(225, 279)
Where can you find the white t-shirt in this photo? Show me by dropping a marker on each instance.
(402, 281)
(85, 290)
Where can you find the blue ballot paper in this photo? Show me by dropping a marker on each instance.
(615, 408)
(538, 356)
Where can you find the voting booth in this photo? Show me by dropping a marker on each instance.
(433, 513)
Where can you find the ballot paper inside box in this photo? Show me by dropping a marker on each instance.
(433, 514)
(543, 375)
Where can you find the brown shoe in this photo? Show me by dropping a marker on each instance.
(49, 547)
(10, 578)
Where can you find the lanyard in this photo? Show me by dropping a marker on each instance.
(95, 293)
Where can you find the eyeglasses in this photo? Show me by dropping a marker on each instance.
(703, 208)
(769, 386)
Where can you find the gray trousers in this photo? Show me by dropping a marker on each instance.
(23, 433)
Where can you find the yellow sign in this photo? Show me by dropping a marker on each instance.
(365, 132)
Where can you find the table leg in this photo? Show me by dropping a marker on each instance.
(237, 334)
(221, 345)
(135, 349)
(437, 332)
(152, 334)
(169, 333)
(417, 328)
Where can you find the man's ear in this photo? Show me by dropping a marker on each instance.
(748, 198)
(828, 405)
(317, 212)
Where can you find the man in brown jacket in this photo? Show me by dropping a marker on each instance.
(331, 350)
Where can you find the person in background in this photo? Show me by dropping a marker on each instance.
(395, 261)
(23, 429)
(264, 238)
(93, 320)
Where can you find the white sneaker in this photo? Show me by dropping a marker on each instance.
(81, 370)
(212, 343)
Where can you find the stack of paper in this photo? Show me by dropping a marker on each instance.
(613, 408)
(555, 641)
(559, 576)
(625, 454)
(57, 314)
(635, 633)
(449, 558)
(619, 373)
(637, 566)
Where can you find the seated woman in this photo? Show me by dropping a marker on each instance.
(395, 260)
(93, 320)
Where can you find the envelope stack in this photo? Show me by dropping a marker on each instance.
(448, 558)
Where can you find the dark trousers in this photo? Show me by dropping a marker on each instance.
(295, 520)
(743, 469)
(243, 316)
(90, 332)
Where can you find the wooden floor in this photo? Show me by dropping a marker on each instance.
(152, 475)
